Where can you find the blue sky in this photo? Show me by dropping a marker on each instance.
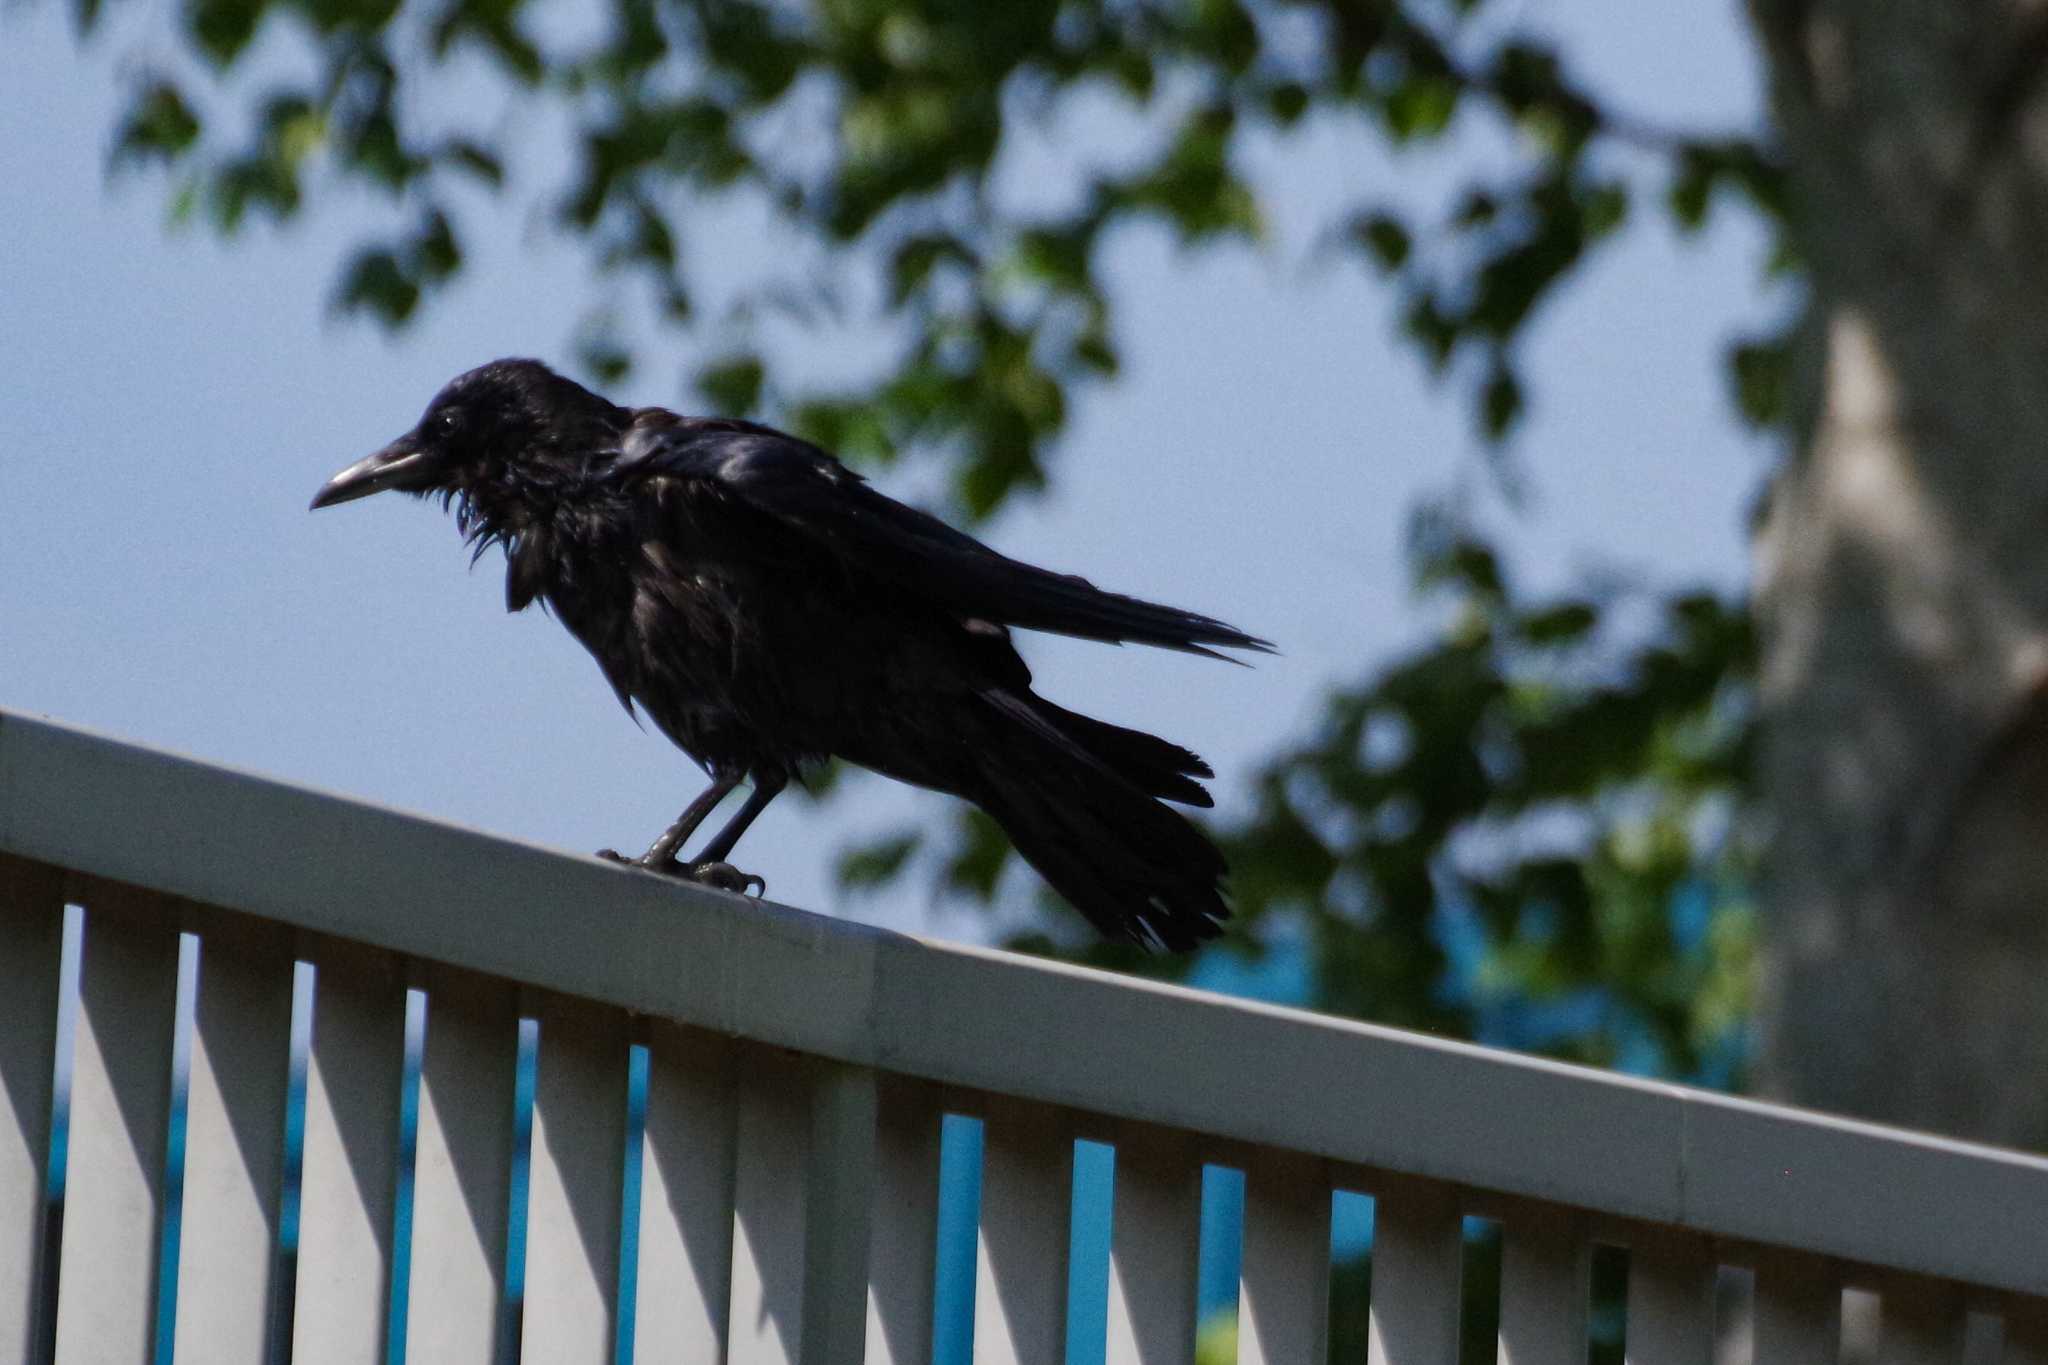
(172, 402)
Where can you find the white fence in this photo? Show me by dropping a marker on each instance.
(258, 956)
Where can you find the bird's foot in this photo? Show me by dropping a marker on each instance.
(724, 876)
(720, 876)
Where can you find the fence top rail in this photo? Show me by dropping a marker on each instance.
(992, 1021)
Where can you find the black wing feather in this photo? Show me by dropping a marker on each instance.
(803, 486)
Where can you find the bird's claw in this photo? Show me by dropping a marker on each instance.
(723, 876)
(717, 875)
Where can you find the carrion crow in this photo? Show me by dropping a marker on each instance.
(768, 609)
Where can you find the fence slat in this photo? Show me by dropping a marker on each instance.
(1417, 1270)
(683, 1288)
(462, 1173)
(1154, 1249)
(2026, 1335)
(1283, 1291)
(31, 949)
(1922, 1323)
(234, 1142)
(1798, 1311)
(1020, 1281)
(350, 1180)
(1670, 1300)
(120, 1101)
(839, 1192)
(766, 1318)
(579, 1148)
(903, 1238)
(1546, 1286)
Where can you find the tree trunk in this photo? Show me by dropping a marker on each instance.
(1903, 572)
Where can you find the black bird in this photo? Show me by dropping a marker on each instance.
(768, 609)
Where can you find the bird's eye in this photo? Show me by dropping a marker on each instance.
(445, 422)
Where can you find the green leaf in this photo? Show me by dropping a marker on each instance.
(473, 159)
(977, 859)
(1704, 169)
(1058, 257)
(221, 29)
(185, 202)
(1564, 623)
(263, 181)
(1604, 209)
(733, 385)
(1420, 107)
(1435, 330)
(602, 356)
(376, 283)
(1760, 371)
(878, 863)
(1500, 402)
(1466, 564)
(159, 126)
(1286, 102)
(1692, 188)
(1223, 32)
(436, 254)
(912, 263)
(1477, 209)
(1193, 184)
(1096, 353)
(1385, 237)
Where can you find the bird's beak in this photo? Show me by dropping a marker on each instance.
(395, 466)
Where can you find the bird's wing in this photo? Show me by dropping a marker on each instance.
(803, 487)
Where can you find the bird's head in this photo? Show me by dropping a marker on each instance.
(510, 417)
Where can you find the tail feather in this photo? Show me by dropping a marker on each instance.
(1077, 798)
(1156, 766)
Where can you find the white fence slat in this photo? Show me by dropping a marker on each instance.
(234, 1143)
(903, 1237)
(462, 1172)
(349, 1181)
(1922, 1323)
(683, 1287)
(1546, 1281)
(1982, 1334)
(120, 1100)
(1020, 1280)
(1670, 1300)
(579, 1149)
(1417, 1273)
(1283, 1292)
(839, 1193)
(1154, 1249)
(765, 1321)
(1861, 1330)
(31, 948)
(1798, 1312)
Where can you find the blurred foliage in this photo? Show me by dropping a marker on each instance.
(1534, 829)
(874, 128)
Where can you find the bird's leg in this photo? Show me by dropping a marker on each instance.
(710, 865)
(766, 789)
(661, 854)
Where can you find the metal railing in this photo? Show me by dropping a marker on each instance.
(730, 1151)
